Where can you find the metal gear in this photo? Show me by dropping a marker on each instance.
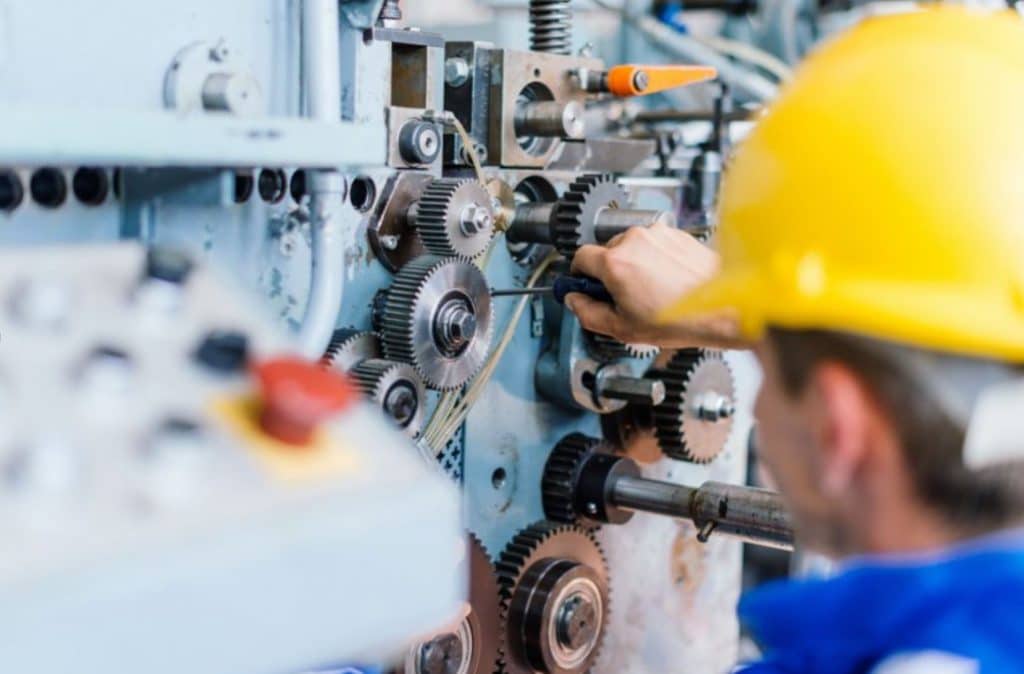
(695, 419)
(436, 316)
(607, 349)
(555, 599)
(454, 218)
(396, 388)
(574, 219)
(348, 347)
(475, 647)
(559, 483)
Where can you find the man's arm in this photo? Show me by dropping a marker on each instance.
(646, 269)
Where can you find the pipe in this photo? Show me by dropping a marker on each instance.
(321, 71)
(754, 515)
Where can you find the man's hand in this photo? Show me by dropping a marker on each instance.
(646, 269)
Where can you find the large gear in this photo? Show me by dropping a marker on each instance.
(348, 347)
(574, 219)
(475, 647)
(695, 419)
(454, 218)
(437, 317)
(396, 389)
(555, 599)
(607, 349)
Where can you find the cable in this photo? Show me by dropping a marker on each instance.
(441, 428)
(748, 53)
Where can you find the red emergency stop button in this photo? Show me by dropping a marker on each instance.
(297, 396)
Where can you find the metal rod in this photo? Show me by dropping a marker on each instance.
(755, 515)
(515, 292)
(614, 221)
(682, 116)
(531, 223)
(549, 119)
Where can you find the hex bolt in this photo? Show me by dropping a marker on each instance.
(713, 406)
(475, 219)
(456, 71)
(454, 326)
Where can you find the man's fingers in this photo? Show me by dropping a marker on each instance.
(595, 315)
(590, 260)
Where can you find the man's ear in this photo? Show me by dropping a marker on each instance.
(844, 412)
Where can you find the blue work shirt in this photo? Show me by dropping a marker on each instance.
(957, 611)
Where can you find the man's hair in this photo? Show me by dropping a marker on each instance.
(928, 397)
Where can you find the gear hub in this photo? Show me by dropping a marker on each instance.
(454, 218)
(436, 316)
(574, 219)
(396, 389)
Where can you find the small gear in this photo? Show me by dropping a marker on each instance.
(396, 389)
(436, 316)
(348, 347)
(608, 349)
(555, 599)
(695, 419)
(454, 218)
(475, 647)
(558, 486)
(574, 219)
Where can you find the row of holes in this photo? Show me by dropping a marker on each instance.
(91, 186)
(273, 185)
(48, 187)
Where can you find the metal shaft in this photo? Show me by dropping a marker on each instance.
(637, 390)
(549, 119)
(531, 223)
(755, 515)
(614, 221)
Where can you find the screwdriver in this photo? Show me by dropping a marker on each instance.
(562, 286)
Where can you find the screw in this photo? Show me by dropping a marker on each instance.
(456, 71)
(220, 52)
(389, 242)
(641, 80)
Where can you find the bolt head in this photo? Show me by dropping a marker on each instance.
(400, 403)
(463, 326)
(475, 219)
(456, 71)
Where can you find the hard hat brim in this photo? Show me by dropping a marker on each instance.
(910, 313)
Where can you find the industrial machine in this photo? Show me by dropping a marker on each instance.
(369, 184)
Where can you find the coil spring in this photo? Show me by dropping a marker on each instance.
(550, 26)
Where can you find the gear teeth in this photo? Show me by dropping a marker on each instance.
(608, 349)
(437, 220)
(370, 374)
(567, 225)
(397, 311)
(558, 486)
(345, 340)
(670, 416)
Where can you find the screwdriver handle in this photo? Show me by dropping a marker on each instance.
(587, 285)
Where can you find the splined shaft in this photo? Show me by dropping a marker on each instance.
(551, 26)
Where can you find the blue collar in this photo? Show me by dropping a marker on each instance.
(968, 601)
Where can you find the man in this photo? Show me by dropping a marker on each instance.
(872, 252)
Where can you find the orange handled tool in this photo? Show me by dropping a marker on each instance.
(634, 80)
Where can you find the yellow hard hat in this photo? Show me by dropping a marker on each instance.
(883, 193)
